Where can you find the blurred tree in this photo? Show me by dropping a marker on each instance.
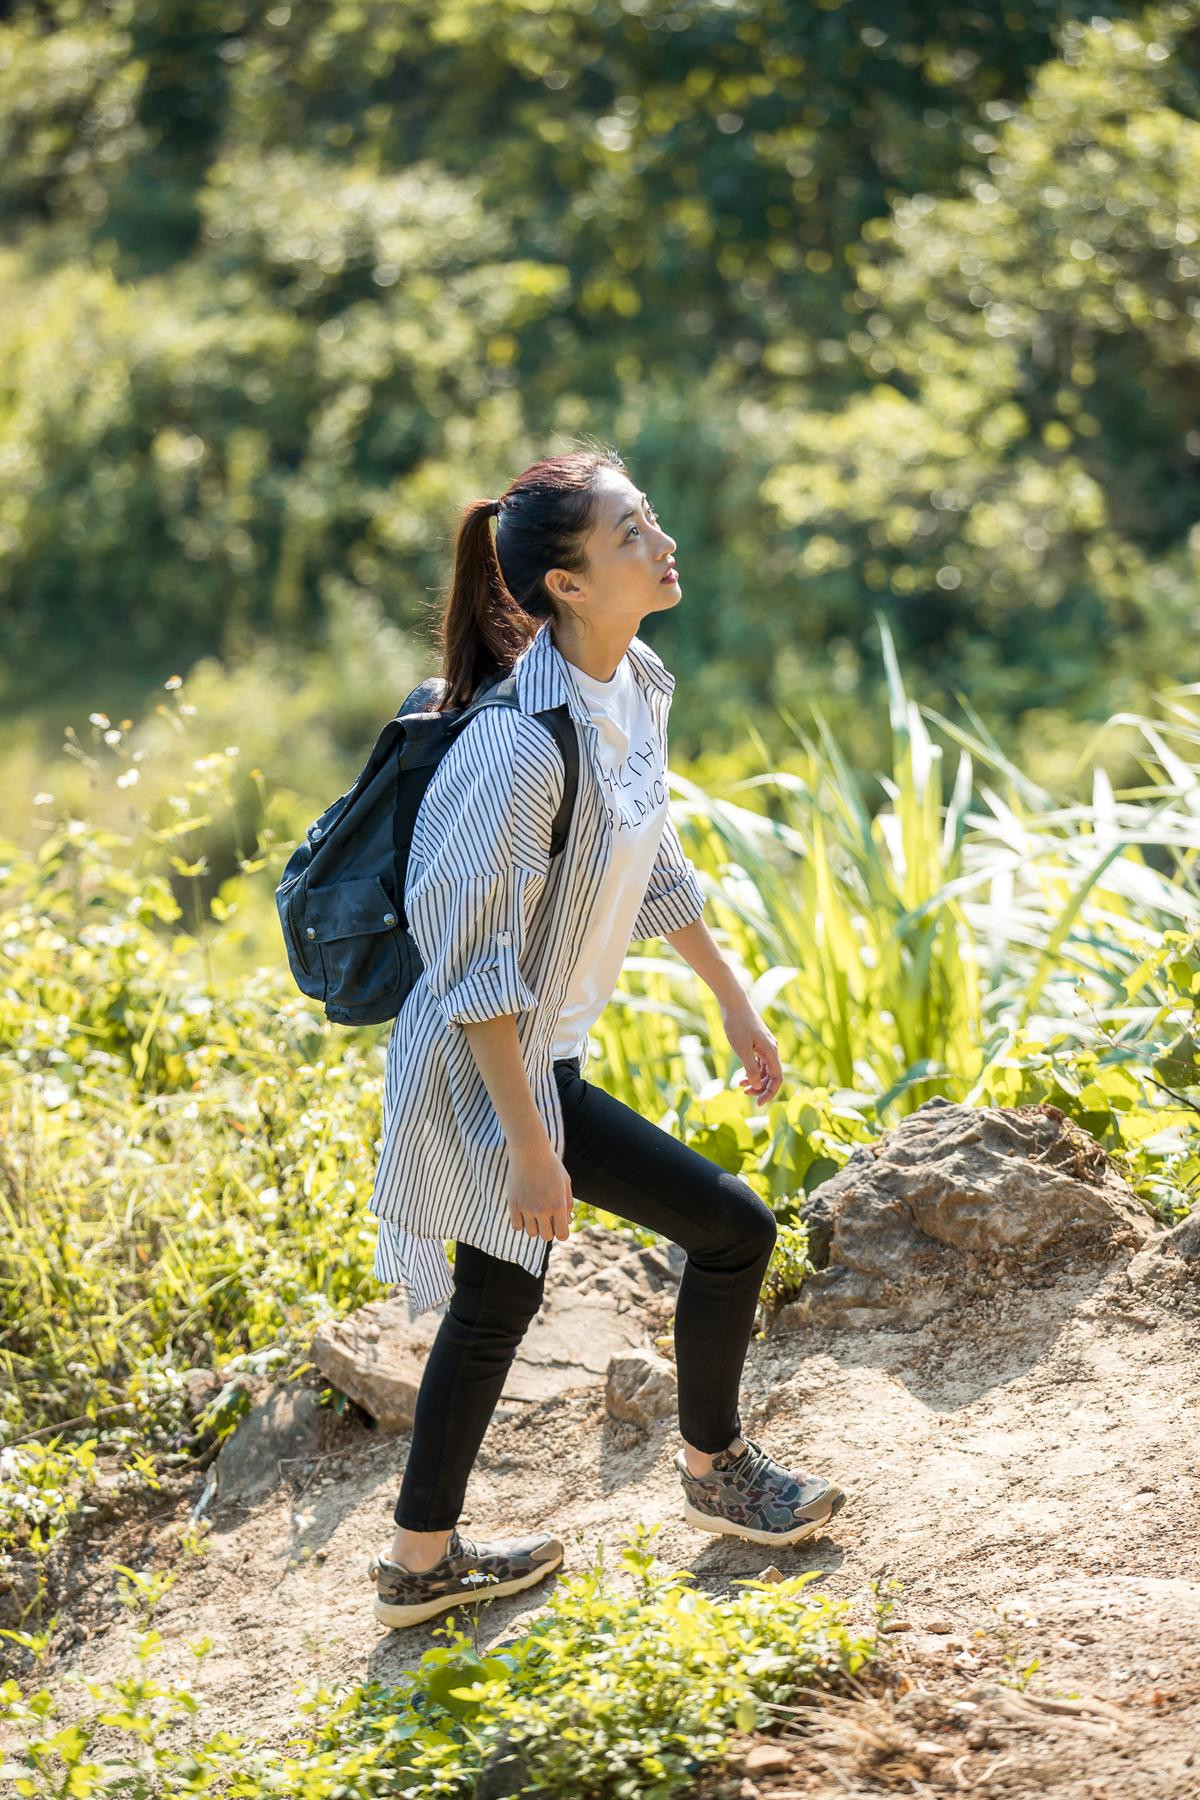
(186, 49)
(1029, 449)
(288, 284)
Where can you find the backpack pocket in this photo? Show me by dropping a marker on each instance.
(355, 928)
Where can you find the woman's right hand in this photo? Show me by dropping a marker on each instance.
(539, 1193)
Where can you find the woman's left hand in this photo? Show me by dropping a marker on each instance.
(750, 1039)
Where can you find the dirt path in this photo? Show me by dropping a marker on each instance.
(1027, 1470)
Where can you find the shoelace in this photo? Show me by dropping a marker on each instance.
(476, 1574)
(749, 1464)
(753, 1462)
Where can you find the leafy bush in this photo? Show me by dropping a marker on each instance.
(608, 1696)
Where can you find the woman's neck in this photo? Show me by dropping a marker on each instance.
(598, 656)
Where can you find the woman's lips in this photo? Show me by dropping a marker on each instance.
(671, 575)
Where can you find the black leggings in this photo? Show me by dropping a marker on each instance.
(623, 1164)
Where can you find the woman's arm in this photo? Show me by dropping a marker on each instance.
(495, 1047)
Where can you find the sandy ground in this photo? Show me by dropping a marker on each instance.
(1025, 1469)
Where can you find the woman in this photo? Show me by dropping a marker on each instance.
(489, 1126)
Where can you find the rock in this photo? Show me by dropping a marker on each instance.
(641, 1387)
(952, 1201)
(376, 1354)
(201, 1387)
(289, 1423)
(598, 1261)
(571, 1343)
(599, 1288)
(663, 1264)
(765, 1759)
(1184, 1239)
(1171, 1254)
(940, 1627)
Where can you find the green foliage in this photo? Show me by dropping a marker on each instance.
(887, 305)
(894, 310)
(39, 1484)
(181, 1183)
(1012, 471)
(610, 1695)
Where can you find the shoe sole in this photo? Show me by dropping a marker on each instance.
(397, 1617)
(730, 1528)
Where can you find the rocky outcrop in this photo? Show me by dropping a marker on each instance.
(953, 1200)
(602, 1295)
(1169, 1262)
(289, 1426)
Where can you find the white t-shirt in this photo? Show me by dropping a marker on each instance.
(636, 797)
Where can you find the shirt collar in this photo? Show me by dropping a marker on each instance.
(543, 681)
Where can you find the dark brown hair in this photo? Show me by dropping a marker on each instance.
(498, 595)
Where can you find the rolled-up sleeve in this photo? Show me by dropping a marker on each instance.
(674, 897)
(479, 860)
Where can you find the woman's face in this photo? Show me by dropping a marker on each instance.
(630, 560)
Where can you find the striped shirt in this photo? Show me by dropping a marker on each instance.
(499, 925)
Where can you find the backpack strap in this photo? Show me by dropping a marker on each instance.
(558, 722)
(555, 719)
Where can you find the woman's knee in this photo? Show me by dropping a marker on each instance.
(748, 1220)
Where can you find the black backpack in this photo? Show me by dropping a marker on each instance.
(341, 896)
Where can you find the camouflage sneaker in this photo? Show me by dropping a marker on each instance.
(750, 1496)
(465, 1574)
